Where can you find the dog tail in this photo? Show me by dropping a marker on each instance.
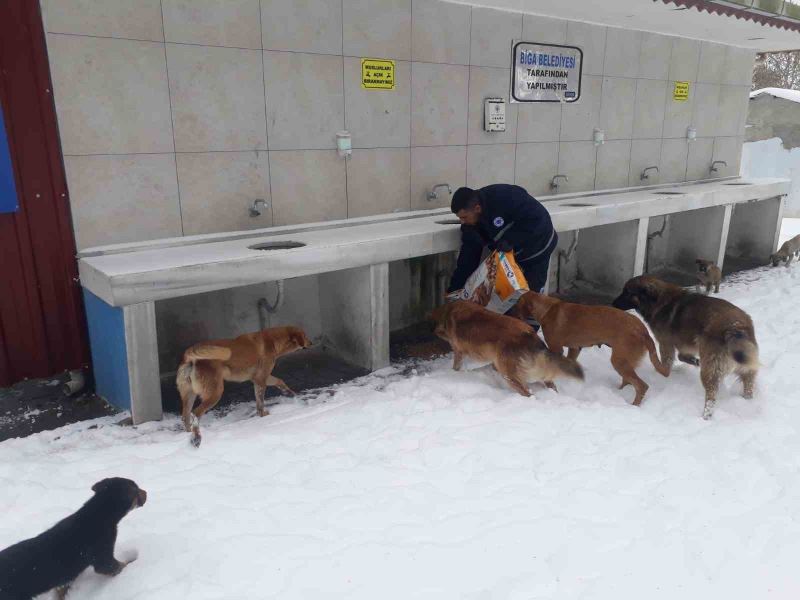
(206, 352)
(742, 347)
(651, 350)
(548, 366)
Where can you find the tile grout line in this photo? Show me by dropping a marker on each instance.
(600, 113)
(469, 80)
(410, 104)
(266, 113)
(510, 76)
(344, 120)
(174, 152)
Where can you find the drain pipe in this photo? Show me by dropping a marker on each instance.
(75, 383)
(650, 237)
(265, 307)
(564, 258)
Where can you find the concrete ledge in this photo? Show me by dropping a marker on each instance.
(134, 273)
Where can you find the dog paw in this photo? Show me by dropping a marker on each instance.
(707, 414)
(195, 440)
(262, 412)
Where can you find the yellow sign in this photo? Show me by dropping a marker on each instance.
(681, 91)
(377, 74)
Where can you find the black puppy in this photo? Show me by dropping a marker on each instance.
(86, 538)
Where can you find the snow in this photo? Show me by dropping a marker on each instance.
(789, 229)
(427, 483)
(792, 95)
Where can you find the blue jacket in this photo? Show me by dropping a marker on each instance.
(510, 214)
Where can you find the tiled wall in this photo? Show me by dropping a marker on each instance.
(175, 114)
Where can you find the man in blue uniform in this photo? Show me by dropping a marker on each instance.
(503, 217)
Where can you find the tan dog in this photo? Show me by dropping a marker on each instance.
(509, 344)
(721, 333)
(789, 249)
(576, 326)
(250, 357)
(709, 275)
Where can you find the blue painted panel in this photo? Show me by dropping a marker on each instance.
(109, 355)
(8, 189)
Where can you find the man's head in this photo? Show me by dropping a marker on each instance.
(466, 205)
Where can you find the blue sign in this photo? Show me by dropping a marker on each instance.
(8, 190)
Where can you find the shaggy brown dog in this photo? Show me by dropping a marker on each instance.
(576, 326)
(509, 344)
(250, 357)
(721, 333)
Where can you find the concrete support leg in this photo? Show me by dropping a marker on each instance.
(641, 246)
(355, 314)
(723, 242)
(125, 356)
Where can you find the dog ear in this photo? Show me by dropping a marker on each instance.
(101, 485)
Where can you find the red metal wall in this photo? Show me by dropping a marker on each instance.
(42, 327)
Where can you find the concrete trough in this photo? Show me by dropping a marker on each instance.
(365, 277)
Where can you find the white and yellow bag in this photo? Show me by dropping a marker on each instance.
(497, 283)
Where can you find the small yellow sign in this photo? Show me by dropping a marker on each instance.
(377, 74)
(681, 91)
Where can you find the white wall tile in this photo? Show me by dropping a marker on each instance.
(140, 20)
(613, 165)
(623, 47)
(233, 23)
(489, 82)
(592, 40)
(440, 164)
(111, 95)
(377, 28)
(217, 98)
(577, 160)
(305, 100)
(378, 181)
(308, 186)
(535, 166)
(123, 198)
(439, 99)
(440, 32)
(488, 164)
(311, 26)
(578, 119)
(492, 34)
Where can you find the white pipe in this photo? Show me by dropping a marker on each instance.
(75, 383)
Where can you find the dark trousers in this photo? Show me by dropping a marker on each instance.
(536, 270)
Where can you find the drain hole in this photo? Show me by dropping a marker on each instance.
(276, 245)
(449, 222)
(668, 193)
(737, 184)
(577, 204)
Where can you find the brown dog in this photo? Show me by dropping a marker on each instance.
(576, 326)
(509, 344)
(789, 249)
(250, 357)
(709, 275)
(721, 333)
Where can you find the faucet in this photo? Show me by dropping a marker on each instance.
(714, 164)
(644, 174)
(255, 211)
(554, 181)
(434, 195)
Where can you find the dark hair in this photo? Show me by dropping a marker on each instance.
(464, 198)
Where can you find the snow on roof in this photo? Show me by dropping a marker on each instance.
(791, 95)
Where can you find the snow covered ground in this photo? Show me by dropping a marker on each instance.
(435, 484)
